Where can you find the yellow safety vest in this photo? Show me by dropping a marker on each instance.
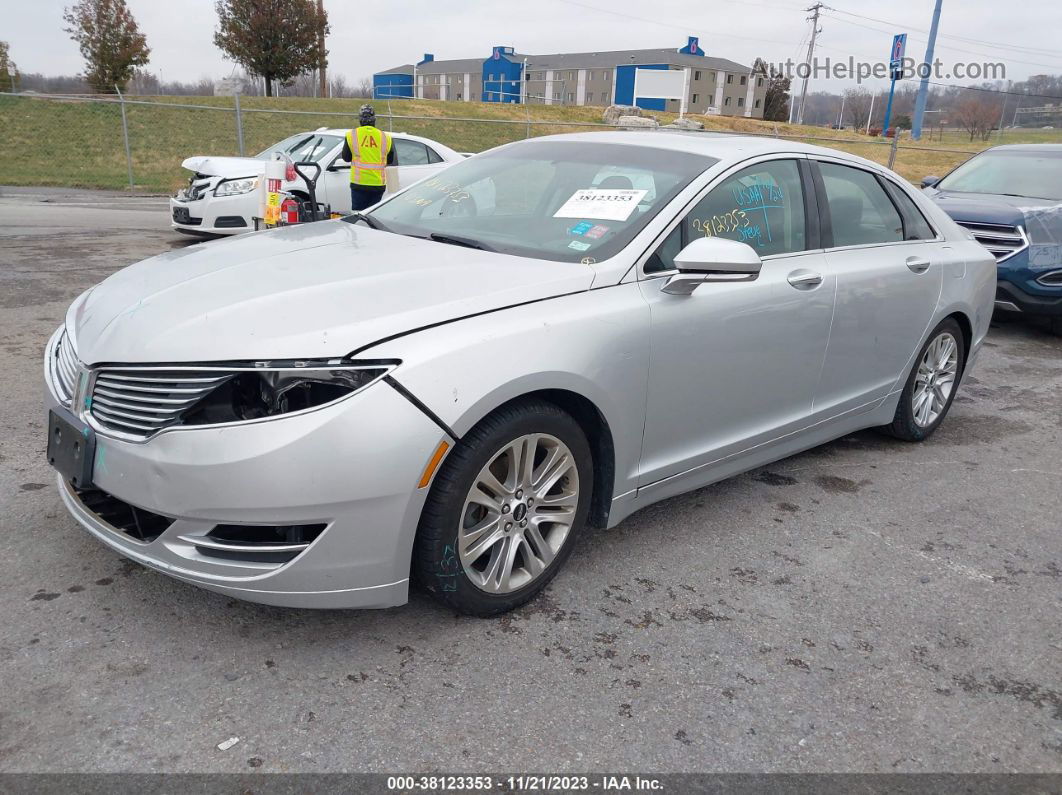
(368, 150)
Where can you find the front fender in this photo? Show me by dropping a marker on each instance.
(595, 344)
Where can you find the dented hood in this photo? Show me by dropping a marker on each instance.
(308, 291)
(227, 167)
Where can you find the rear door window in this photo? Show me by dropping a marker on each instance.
(860, 211)
(410, 153)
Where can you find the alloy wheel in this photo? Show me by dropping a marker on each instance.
(935, 379)
(518, 513)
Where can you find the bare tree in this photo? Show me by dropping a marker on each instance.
(857, 106)
(110, 40)
(977, 116)
(337, 86)
(363, 88)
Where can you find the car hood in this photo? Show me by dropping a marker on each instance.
(985, 208)
(226, 167)
(308, 291)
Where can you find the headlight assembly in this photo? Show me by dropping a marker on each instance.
(234, 187)
(270, 389)
(139, 402)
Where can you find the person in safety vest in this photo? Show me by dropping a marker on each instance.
(369, 151)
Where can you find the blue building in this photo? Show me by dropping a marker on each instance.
(713, 85)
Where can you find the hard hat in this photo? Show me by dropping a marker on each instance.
(366, 115)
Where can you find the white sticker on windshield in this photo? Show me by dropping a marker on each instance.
(601, 205)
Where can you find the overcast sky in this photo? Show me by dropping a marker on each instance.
(368, 37)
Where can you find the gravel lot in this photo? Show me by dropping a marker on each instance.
(869, 605)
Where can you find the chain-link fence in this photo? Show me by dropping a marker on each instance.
(117, 142)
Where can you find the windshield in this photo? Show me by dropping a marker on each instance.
(558, 200)
(1033, 174)
(303, 147)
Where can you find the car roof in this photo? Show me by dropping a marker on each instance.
(719, 145)
(1047, 149)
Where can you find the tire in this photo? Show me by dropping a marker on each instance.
(477, 497)
(933, 380)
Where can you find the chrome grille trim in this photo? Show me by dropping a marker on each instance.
(143, 402)
(1003, 240)
(64, 369)
(1051, 279)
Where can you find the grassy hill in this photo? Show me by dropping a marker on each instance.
(75, 143)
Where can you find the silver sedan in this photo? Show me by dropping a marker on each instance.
(547, 336)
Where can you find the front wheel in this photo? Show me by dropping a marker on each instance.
(930, 388)
(504, 511)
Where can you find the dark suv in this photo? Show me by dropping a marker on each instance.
(1010, 198)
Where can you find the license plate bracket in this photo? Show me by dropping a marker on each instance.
(71, 447)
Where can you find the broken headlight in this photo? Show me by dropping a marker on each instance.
(274, 388)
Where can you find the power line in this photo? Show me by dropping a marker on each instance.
(1036, 50)
(950, 46)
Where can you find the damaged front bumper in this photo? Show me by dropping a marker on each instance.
(313, 510)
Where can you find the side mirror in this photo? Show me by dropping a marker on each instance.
(712, 259)
(930, 182)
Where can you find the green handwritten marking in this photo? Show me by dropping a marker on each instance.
(449, 568)
(100, 464)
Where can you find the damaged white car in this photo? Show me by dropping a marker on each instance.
(222, 196)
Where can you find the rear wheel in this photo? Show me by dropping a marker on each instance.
(504, 511)
(930, 388)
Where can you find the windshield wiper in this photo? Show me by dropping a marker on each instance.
(370, 222)
(457, 240)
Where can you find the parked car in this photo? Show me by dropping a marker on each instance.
(1010, 198)
(222, 193)
(454, 387)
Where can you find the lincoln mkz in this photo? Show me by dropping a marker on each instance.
(544, 337)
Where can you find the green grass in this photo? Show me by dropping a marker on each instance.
(79, 144)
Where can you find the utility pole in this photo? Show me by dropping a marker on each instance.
(321, 75)
(815, 9)
(923, 88)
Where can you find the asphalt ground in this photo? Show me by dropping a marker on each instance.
(866, 606)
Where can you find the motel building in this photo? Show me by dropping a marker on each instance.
(714, 86)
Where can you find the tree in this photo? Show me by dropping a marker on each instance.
(977, 116)
(110, 40)
(276, 39)
(776, 100)
(857, 106)
(8, 70)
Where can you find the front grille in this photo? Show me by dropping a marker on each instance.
(142, 402)
(64, 369)
(135, 522)
(1003, 240)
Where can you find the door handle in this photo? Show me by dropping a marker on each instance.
(917, 264)
(804, 279)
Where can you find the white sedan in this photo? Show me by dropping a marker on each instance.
(222, 194)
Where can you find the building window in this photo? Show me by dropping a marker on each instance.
(743, 80)
(729, 79)
(571, 97)
(696, 75)
(741, 102)
(589, 97)
(726, 101)
(696, 98)
(607, 76)
(759, 82)
(757, 103)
